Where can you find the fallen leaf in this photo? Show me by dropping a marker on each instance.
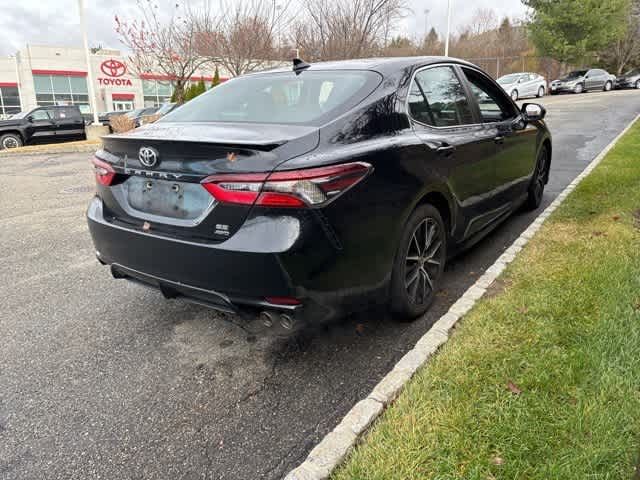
(523, 310)
(514, 388)
(497, 461)
(616, 218)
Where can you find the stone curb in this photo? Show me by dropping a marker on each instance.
(52, 151)
(333, 449)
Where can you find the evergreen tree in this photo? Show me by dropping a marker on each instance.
(216, 78)
(574, 31)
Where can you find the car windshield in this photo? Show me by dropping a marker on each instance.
(284, 98)
(513, 78)
(135, 113)
(19, 115)
(576, 74)
(165, 108)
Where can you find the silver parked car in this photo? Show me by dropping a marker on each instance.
(579, 81)
(520, 85)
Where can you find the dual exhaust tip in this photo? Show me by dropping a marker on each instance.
(269, 319)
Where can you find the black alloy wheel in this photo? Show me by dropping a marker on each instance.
(539, 180)
(419, 263)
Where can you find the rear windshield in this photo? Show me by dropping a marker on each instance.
(286, 98)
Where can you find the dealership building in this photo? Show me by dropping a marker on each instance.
(41, 75)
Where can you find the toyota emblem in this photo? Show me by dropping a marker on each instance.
(148, 156)
(113, 68)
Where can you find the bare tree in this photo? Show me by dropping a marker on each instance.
(245, 37)
(340, 29)
(167, 46)
(483, 20)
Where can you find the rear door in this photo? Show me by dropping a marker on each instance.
(69, 122)
(442, 117)
(511, 145)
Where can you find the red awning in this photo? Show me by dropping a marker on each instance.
(66, 73)
(8, 84)
(122, 96)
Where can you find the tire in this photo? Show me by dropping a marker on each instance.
(419, 263)
(540, 92)
(608, 86)
(10, 140)
(637, 84)
(539, 180)
(514, 95)
(579, 88)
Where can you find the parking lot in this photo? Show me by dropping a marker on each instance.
(104, 379)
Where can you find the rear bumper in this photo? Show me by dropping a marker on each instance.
(214, 275)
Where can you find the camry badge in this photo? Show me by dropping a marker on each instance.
(148, 156)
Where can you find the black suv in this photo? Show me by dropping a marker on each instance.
(42, 124)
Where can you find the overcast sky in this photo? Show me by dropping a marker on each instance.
(56, 21)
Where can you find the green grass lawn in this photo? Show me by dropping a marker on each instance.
(542, 379)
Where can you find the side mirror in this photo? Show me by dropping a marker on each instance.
(30, 119)
(533, 112)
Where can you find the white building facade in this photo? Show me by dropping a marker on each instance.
(41, 75)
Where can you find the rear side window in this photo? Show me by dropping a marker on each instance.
(66, 113)
(437, 98)
(284, 98)
(494, 105)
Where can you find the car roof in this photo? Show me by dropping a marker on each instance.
(383, 65)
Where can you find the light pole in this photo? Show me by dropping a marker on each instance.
(92, 96)
(446, 42)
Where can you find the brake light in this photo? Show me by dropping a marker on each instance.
(104, 172)
(283, 301)
(290, 189)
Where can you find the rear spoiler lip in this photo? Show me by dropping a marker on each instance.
(256, 144)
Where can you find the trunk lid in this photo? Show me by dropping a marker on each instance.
(159, 189)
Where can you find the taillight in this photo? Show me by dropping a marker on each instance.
(293, 188)
(104, 171)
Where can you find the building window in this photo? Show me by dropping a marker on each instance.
(62, 90)
(9, 101)
(156, 92)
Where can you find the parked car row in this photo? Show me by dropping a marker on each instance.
(527, 84)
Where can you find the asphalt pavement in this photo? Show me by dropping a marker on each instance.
(103, 379)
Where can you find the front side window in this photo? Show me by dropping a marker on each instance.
(437, 98)
(284, 98)
(40, 115)
(494, 105)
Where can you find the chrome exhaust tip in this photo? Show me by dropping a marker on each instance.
(267, 319)
(286, 321)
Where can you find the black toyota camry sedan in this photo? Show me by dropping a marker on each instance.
(299, 195)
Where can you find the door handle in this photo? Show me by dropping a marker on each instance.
(446, 150)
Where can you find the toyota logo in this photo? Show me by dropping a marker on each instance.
(148, 156)
(113, 68)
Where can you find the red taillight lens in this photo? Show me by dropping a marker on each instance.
(283, 301)
(294, 188)
(104, 172)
